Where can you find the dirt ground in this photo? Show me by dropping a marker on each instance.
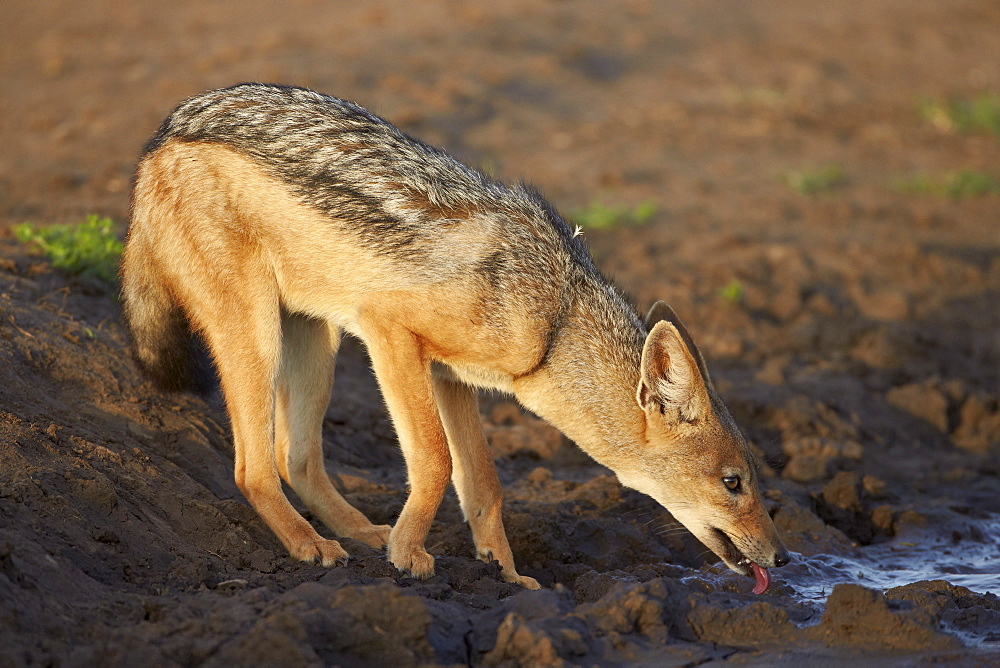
(854, 332)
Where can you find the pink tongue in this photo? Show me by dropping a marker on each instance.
(762, 577)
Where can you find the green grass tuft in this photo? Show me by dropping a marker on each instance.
(603, 217)
(964, 116)
(90, 248)
(732, 292)
(811, 182)
(957, 185)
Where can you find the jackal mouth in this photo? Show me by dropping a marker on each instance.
(732, 555)
(741, 563)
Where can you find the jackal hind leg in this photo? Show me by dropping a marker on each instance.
(475, 476)
(309, 349)
(244, 336)
(404, 376)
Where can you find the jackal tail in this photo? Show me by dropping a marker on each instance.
(162, 343)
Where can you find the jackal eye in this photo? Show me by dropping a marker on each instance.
(732, 483)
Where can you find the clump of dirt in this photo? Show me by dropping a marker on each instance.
(852, 329)
(847, 502)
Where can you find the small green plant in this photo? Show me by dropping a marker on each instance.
(758, 96)
(920, 184)
(732, 292)
(602, 216)
(964, 116)
(811, 182)
(963, 183)
(89, 248)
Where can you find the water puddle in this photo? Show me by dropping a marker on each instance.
(969, 557)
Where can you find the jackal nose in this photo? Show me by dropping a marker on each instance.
(782, 558)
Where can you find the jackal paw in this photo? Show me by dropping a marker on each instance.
(376, 535)
(509, 574)
(416, 561)
(524, 581)
(325, 552)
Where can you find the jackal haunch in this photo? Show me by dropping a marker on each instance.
(271, 219)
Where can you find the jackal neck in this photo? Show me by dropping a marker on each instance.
(587, 385)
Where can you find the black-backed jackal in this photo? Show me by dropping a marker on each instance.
(271, 219)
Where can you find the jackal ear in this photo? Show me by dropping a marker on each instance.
(662, 311)
(670, 381)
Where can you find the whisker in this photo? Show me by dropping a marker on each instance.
(670, 527)
(657, 519)
(703, 553)
(634, 511)
(659, 530)
(667, 525)
(745, 532)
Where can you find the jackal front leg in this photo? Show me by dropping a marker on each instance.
(475, 476)
(404, 376)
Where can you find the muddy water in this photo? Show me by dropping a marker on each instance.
(917, 567)
(971, 563)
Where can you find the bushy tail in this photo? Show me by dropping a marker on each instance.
(162, 342)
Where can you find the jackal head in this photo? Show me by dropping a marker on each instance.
(695, 462)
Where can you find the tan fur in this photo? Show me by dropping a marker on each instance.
(271, 280)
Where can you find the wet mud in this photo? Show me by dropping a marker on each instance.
(853, 332)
